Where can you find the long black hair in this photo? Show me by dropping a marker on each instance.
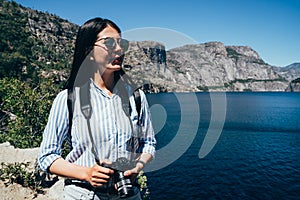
(85, 40)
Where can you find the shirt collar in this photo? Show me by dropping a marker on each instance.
(98, 89)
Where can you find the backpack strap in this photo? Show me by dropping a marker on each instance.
(86, 109)
(85, 100)
(70, 104)
(138, 102)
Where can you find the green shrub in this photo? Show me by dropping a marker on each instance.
(31, 107)
(297, 80)
(231, 53)
(203, 88)
(17, 173)
(142, 182)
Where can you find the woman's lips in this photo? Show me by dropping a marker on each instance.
(118, 60)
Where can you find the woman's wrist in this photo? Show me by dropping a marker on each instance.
(85, 175)
(140, 164)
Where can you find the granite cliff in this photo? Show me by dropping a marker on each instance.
(211, 66)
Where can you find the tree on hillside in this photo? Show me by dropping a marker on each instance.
(15, 41)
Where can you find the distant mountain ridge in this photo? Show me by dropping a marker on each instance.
(210, 66)
(290, 72)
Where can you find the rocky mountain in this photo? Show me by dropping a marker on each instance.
(211, 66)
(289, 72)
(56, 36)
(36, 40)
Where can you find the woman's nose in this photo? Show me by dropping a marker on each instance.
(118, 47)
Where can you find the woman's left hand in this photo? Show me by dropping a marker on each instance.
(134, 171)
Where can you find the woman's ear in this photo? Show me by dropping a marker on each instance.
(88, 51)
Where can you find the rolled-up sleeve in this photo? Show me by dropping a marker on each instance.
(55, 132)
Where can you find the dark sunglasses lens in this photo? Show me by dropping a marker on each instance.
(124, 44)
(110, 43)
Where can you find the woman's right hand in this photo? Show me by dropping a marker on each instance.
(98, 175)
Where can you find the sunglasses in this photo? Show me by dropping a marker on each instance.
(111, 43)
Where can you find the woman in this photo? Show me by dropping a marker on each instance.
(98, 144)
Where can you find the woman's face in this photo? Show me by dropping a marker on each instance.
(106, 57)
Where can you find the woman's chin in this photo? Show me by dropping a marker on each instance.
(114, 67)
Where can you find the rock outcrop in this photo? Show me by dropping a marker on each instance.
(9, 154)
(294, 86)
(210, 66)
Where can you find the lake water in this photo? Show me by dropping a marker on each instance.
(256, 156)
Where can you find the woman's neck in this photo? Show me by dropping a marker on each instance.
(105, 81)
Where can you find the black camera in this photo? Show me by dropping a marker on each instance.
(124, 184)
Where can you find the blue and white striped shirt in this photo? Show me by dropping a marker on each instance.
(110, 126)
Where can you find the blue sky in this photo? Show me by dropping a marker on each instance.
(270, 27)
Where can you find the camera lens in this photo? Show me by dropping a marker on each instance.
(124, 185)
